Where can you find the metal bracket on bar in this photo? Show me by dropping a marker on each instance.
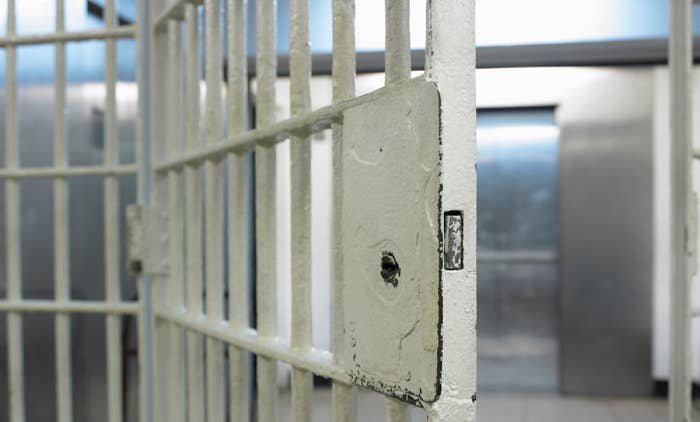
(147, 240)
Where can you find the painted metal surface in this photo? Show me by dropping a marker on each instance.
(680, 68)
(451, 64)
(183, 330)
(391, 244)
(65, 304)
(263, 341)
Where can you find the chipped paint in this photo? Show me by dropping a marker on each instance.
(391, 215)
(451, 64)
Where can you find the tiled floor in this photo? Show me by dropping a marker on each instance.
(507, 407)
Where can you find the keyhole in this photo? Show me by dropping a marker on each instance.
(390, 269)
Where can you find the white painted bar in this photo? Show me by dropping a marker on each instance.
(680, 65)
(193, 220)
(300, 172)
(64, 171)
(177, 408)
(265, 163)
(64, 387)
(273, 348)
(56, 306)
(213, 205)
(314, 121)
(397, 58)
(126, 31)
(13, 245)
(397, 65)
(238, 203)
(111, 226)
(177, 10)
(451, 64)
(144, 40)
(344, 395)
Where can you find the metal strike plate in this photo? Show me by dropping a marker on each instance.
(147, 241)
(391, 243)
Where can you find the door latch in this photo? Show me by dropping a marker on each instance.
(147, 240)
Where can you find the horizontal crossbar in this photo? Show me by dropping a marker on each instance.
(319, 362)
(46, 172)
(314, 121)
(85, 307)
(127, 31)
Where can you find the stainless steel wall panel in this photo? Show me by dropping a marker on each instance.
(606, 206)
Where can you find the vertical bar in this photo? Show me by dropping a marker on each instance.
(300, 166)
(193, 220)
(111, 221)
(176, 409)
(214, 260)
(238, 203)
(64, 396)
(343, 68)
(397, 58)
(143, 137)
(265, 166)
(680, 62)
(13, 246)
(451, 64)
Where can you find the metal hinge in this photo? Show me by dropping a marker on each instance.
(147, 240)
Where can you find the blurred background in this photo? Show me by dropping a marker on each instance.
(574, 218)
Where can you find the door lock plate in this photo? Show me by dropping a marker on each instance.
(391, 242)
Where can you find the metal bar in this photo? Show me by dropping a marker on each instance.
(213, 205)
(452, 66)
(344, 395)
(680, 64)
(175, 285)
(64, 171)
(111, 222)
(193, 220)
(300, 169)
(651, 51)
(398, 69)
(313, 121)
(64, 388)
(238, 203)
(176, 10)
(272, 348)
(127, 31)
(265, 168)
(143, 159)
(398, 41)
(13, 246)
(69, 306)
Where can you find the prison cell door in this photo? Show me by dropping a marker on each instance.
(24, 400)
(403, 220)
